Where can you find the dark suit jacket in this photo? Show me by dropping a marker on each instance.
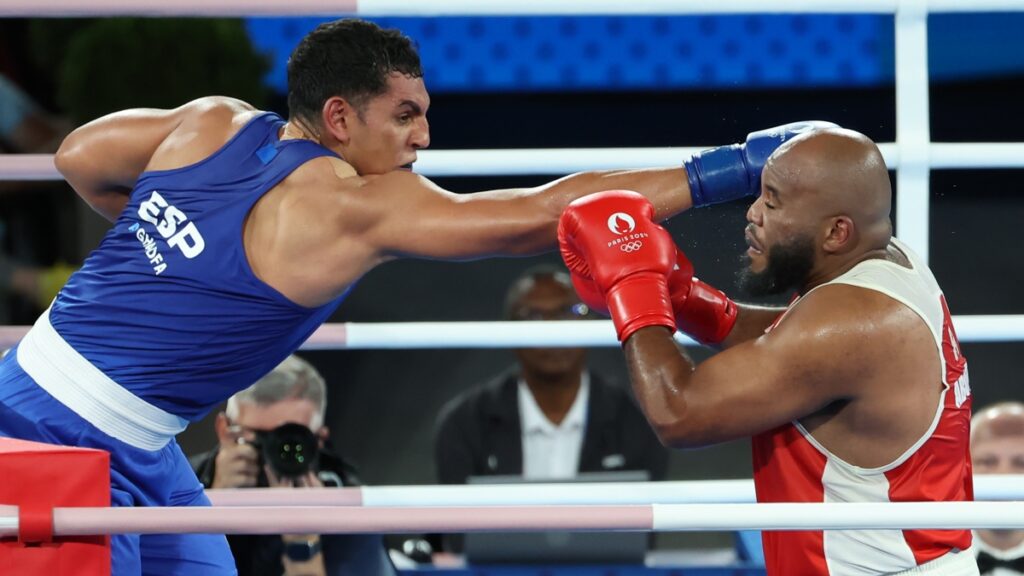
(479, 433)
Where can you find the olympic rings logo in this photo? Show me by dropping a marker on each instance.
(631, 246)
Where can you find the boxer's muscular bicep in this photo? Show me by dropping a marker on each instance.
(813, 358)
(102, 159)
(761, 384)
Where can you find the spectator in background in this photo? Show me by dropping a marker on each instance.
(549, 418)
(997, 447)
(25, 128)
(37, 284)
(294, 392)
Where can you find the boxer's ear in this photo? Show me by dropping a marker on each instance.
(337, 116)
(840, 236)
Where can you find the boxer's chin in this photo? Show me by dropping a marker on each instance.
(788, 267)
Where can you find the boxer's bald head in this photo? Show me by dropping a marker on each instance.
(842, 174)
(825, 200)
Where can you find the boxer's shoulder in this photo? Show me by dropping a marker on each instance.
(846, 303)
(845, 322)
(202, 127)
(324, 192)
(323, 174)
(221, 109)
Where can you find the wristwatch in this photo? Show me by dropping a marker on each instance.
(302, 551)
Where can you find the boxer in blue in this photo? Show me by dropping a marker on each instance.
(236, 233)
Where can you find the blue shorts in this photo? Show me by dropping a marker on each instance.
(137, 478)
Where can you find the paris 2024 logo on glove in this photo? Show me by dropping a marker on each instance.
(622, 225)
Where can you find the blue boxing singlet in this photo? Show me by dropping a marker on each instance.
(167, 307)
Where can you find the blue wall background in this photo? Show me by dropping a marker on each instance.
(538, 54)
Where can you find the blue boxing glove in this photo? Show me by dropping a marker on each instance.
(730, 172)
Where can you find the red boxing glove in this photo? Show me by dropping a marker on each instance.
(588, 292)
(702, 311)
(609, 238)
(579, 273)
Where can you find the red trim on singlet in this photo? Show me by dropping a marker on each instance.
(788, 469)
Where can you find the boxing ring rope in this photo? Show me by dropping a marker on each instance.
(986, 488)
(86, 521)
(520, 334)
(561, 161)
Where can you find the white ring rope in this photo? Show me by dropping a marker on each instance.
(519, 334)
(561, 161)
(839, 516)
(55, 8)
(659, 517)
(986, 488)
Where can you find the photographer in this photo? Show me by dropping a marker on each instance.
(286, 408)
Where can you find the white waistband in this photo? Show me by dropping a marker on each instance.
(952, 563)
(76, 383)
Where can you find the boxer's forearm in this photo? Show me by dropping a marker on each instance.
(659, 372)
(666, 188)
(435, 223)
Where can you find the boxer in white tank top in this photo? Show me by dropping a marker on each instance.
(857, 392)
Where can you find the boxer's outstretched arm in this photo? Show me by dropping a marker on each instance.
(797, 369)
(407, 215)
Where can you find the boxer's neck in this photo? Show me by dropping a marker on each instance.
(297, 129)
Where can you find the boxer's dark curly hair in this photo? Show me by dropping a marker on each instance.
(350, 58)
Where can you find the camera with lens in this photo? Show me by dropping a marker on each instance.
(290, 451)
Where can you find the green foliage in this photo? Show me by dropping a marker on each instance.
(119, 63)
(48, 39)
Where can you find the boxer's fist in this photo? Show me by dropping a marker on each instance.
(703, 312)
(589, 293)
(610, 239)
(730, 172)
(579, 273)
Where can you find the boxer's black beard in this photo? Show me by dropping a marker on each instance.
(789, 266)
